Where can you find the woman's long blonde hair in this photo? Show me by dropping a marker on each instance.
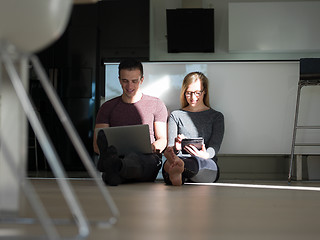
(191, 78)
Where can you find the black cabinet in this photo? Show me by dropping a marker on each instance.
(71, 65)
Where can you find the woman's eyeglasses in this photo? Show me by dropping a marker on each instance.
(196, 93)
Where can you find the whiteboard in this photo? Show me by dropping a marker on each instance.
(257, 99)
(274, 26)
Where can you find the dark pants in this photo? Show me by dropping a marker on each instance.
(138, 167)
(134, 167)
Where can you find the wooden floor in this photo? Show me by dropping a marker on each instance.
(234, 210)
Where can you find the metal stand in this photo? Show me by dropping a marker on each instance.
(79, 217)
(309, 76)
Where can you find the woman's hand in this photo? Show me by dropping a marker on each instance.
(177, 142)
(191, 149)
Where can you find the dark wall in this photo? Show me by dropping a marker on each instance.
(124, 28)
(106, 31)
(123, 32)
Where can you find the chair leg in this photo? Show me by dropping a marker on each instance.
(36, 154)
(294, 133)
(44, 140)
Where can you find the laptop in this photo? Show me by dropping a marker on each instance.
(126, 139)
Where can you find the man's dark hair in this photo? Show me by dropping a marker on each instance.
(131, 64)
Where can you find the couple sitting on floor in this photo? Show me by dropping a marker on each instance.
(194, 119)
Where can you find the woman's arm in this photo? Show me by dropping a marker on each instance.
(217, 135)
(172, 131)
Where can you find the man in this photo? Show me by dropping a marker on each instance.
(131, 108)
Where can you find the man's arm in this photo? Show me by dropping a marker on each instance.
(160, 130)
(95, 146)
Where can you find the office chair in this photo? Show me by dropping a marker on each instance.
(309, 76)
(27, 27)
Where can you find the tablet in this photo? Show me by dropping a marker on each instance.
(197, 142)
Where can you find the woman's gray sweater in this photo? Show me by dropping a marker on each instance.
(208, 124)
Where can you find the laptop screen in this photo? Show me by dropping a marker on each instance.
(126, 139)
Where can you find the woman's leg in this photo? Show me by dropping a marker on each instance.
(195, 169)
(174, 167)
(208, 171)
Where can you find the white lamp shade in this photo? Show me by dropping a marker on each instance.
(31, 25)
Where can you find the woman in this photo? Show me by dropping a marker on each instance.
(195, 119)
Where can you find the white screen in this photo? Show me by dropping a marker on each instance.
(257, 99)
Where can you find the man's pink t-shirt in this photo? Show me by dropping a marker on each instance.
(147, 110)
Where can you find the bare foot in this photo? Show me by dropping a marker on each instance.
(170, 155)
(174, 166)
(175, 172)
